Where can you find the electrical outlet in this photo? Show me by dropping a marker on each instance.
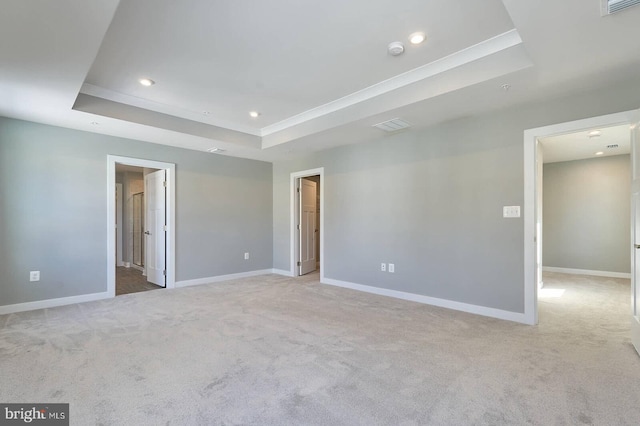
(246, 256)
(392, 268)
(383, 267)
(34, 275)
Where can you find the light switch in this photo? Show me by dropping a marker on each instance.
(511, 211)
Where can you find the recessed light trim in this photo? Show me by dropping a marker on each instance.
(599, 153)
(146, 82)
(254, 114)
(417, 37)
(594, 133)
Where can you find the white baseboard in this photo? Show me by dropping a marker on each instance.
(282, 272)
(427, 300)
(209, 280)
(51, 303)
(586, 272)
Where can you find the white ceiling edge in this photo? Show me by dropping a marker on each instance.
(111, 95)
(472, 53)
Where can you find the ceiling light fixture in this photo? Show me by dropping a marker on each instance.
(417, 38)
(94, 123)
(147, 82)
(216, 150)
(254, 114)
(599, 153)
(594, 134)
(396, 48)
(506, 87)
(206, 112)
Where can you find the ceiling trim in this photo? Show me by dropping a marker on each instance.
(472, 53)
(111, 95)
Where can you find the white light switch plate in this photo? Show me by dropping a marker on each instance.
(511, 211)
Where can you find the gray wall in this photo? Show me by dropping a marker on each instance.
(53, 210)
(586, 214)
(431, 200)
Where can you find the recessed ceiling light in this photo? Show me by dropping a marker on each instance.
(216, 150)
(254, 114)
(206, 112)
(94, 123)
(147, 82)
(506, 87)
(594, 133)
(599, 153)
(417, 38)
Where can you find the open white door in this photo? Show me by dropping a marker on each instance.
(635, 227)
(155, 227)
(119, 260)
(307, 227)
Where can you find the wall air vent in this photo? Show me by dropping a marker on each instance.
(393, 125)
(613, 6)
(613, 146)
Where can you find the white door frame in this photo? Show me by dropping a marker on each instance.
(119, 206)
(292, 218)
(171, 214)
(531, 137)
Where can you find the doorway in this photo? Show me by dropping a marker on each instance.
(132, 274)
(152, 185)
(532, 191)
(307, 222)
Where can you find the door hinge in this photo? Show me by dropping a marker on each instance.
(298, 226)
(164, 272)
(164, 183)
(299, 263)
(165, 228)
(298, 189)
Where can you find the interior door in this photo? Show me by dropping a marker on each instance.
(308, 228)
(635, 226)
(119, 261)
(155, 227)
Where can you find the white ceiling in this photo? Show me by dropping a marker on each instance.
(317, 71)
(582, 145)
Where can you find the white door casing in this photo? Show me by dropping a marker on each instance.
(119, 225)
(531, 248)
(635, 233)
(307, 229)
(155, 227)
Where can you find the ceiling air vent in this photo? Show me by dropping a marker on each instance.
(613, 6)
(615, 145)
(394, 125)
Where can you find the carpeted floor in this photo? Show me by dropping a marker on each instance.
(130, 280)
(273, 350)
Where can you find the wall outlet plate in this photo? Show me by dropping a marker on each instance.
(392, 268)
(383, 267)
(34, 275)
(246, 256)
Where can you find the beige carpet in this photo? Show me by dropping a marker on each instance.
(274, 350)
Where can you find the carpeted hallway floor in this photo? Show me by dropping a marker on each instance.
(272, 350)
